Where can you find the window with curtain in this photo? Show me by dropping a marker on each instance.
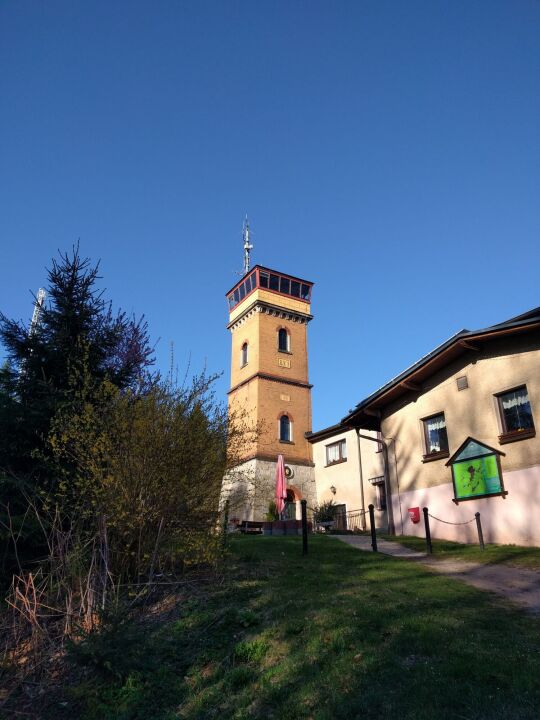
(244, 355)
(336, 452)
(435, 434)
(285, 428)
(283, 340)
(515, 409)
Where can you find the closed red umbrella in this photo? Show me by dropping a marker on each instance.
(281, 485)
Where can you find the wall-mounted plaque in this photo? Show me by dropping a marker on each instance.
(476, 471)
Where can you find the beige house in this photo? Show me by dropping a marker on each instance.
(349, 470)
(456, 434)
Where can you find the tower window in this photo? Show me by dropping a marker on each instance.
(244, 355)
(284, 342)
(285, 429)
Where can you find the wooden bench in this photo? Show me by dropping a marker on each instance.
(250, 527)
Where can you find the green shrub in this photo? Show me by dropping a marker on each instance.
(251, 651)
(325, 512)
(272, 513)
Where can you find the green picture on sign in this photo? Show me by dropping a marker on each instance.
(477, 477)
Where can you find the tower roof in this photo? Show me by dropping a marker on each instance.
(274, 289)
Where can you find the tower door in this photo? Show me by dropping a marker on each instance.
(290, 505)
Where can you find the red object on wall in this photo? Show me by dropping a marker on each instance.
(414, 514)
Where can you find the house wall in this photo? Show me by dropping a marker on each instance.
(501, 366)
(510, 520)
(345, 476)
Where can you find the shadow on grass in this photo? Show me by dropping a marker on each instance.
(338, 634)
(515, 555)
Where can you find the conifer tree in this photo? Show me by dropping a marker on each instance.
(58, 366)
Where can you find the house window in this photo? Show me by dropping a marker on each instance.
(244, 355)
(284, 344)
(285, 429)
(516, 414)
(379, 439)
(336, 452)
(436, 438)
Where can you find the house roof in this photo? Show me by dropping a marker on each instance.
(365, 414)
(326, 433)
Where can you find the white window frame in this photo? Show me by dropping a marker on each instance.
(342, 457)
(288, 334)
(290, 428)
(244, 345)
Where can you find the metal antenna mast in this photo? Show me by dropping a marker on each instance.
(38, 307)
(247, 247)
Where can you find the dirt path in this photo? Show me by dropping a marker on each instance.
(515, 584)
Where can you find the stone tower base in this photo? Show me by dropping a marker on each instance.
(251, 487)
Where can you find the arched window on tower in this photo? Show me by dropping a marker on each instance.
(284, 343)
(244, 355)
(285, 429)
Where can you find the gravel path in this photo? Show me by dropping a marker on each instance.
(518, 585)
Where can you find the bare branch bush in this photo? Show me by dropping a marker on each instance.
(134, 505)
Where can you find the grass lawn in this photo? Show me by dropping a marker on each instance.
(339, 634)
(526, 557)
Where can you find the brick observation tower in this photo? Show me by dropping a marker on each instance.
(269, 312)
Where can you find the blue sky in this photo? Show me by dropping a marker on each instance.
(387, 151)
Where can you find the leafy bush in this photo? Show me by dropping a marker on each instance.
(272, 513)
(325, 512)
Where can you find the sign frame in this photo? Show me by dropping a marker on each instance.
(492, 452)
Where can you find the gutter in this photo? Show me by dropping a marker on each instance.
(361, 474)
(389, 508)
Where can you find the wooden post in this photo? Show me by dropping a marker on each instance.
(225, 523)
(303, 503)
(371, 509)
(479, 528)
(428, 533)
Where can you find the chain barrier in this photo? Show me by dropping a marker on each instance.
(447, 522)
(348, 513)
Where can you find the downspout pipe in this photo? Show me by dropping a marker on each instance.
(361, 474)
(390, 510)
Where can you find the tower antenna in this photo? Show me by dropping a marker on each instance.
(247, 246)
